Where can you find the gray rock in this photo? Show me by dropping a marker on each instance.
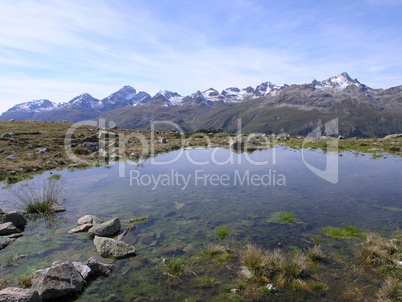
(91, 147)
(12, 157)
(16, 218)
(5, 241)
(8, 228)
(83, 269)
(106, 229)
(59, 280)
(162, 140)
(81, 228)
(16, 294)
(393, 136)
(89, 219)
(14, 236)
(56, 208)
(98, 268)
(7, 134)
(108, 247)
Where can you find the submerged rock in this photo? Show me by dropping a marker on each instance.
(106, 229)
(108, 247)
(16, 294)
(8, 228)
(89, 219)
(56, 208)
(16, 218)
(4, 242)
(81, 228)
(98, 268)
(59, 280)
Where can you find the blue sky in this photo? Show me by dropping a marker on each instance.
(60, 49)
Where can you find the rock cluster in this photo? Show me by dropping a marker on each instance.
(11, 226)
(63, 278)
(101, 231)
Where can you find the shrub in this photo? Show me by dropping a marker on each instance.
(35, 199)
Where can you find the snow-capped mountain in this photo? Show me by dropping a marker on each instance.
(169, 98)
(83, 101)
(338, 82)
(34, 106)
(266, 108)
(125, 96)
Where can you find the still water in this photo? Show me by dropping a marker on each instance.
(187, 194)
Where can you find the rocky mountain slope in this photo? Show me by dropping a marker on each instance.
(295, 109)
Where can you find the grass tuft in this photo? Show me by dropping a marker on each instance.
(222, 232)
(346, 232)
(35, 199)
(391, 290)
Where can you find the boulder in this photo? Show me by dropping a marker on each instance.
(108, 247)
(16, 294)
(106, 229)
(8, 228)
(81, 228)
(4, 242)
(16, 218)
(98, 268)
(61, 279)
(91, 147)
(88, 219)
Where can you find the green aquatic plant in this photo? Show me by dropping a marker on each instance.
(54, 176)
(35, 199)
(25, 281)
(225, 258)
(175, 267)
(317, 240)
(317, 286)
(346, 232)
(222, 232)
(205, 281)
(283, 217)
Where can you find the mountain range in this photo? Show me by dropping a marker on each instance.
(268, 108)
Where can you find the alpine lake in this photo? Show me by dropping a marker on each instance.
(188, 196)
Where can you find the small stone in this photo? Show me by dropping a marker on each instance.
(98, 268)
(81, 228)
(271, 287)
(108, 247)
(16, 294)
(8, 228)
(56, 208)
(12, 157)
(4, 242)
(88, 219)
(106, 229)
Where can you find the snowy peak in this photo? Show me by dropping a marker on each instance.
(35, 106)
(338, 82)
(125, 96)
(83, 101)
(171, 98)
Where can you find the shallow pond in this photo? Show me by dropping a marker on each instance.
(187, 194)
